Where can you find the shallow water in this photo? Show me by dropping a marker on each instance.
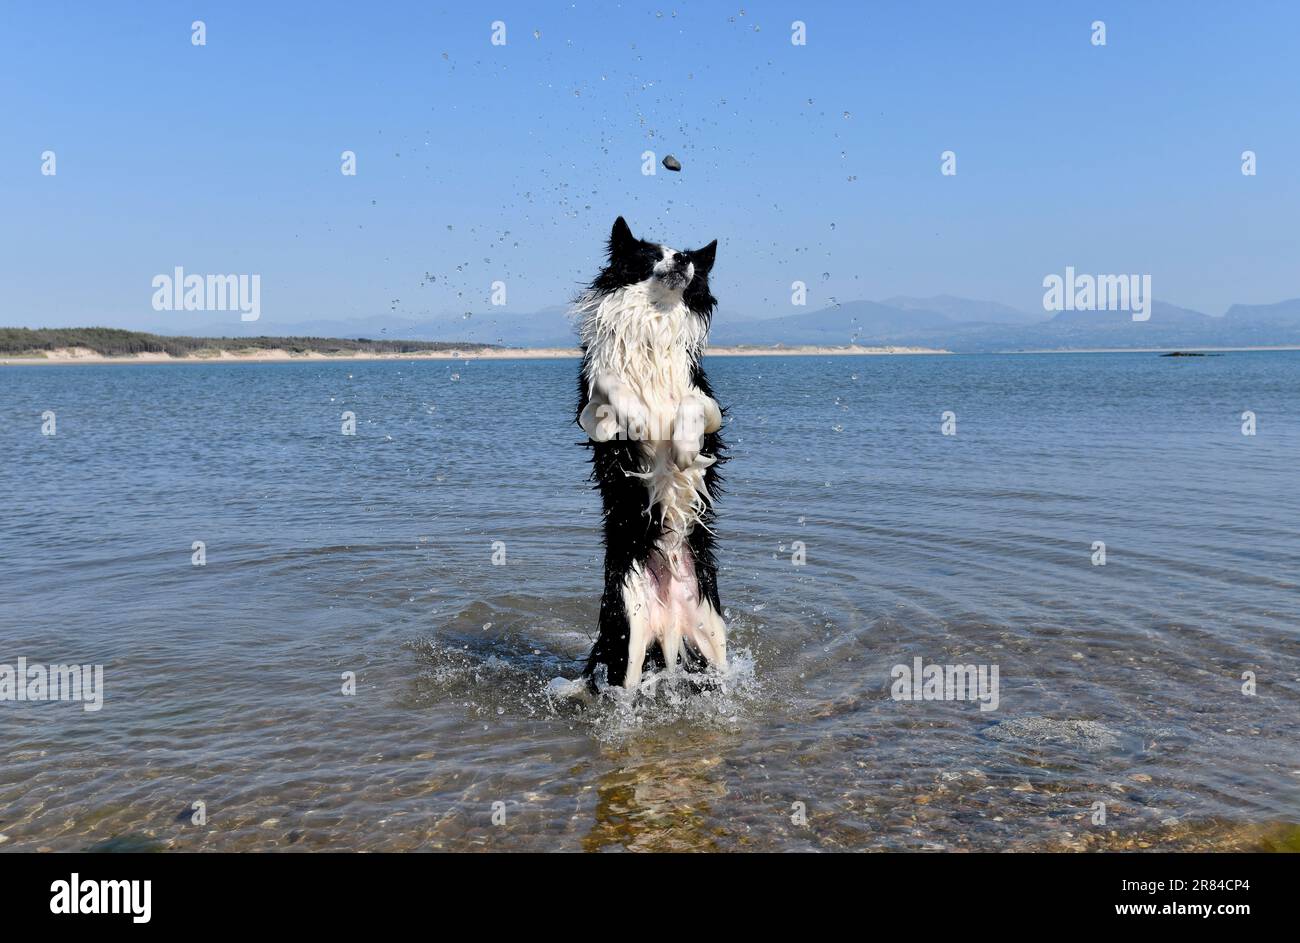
(373, 554)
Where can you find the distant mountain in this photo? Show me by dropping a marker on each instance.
(1161, 313)
(967, 310)
(1281, 312)
(959, 324)
(839, 324)
(965, 325)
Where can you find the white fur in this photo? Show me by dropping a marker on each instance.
(641, 341)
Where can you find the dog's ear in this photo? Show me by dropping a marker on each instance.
(620, 238)
(703, 258)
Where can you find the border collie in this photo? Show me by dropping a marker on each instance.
(652, 424)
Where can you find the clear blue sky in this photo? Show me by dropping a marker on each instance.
(478, 163)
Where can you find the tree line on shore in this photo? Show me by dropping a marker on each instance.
(115, 342)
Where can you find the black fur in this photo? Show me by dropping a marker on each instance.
(630, 531)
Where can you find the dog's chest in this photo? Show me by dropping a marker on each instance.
(662, 376)
(649, 346)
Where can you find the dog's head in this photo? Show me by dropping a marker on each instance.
(666, 271)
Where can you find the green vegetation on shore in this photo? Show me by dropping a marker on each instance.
(112, 342)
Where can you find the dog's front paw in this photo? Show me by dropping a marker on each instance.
(696, 416)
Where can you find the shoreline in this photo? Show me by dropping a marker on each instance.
(73, 356)
(66, 356)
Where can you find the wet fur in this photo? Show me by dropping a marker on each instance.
(645, 553)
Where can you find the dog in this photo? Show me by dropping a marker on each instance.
(653, 429)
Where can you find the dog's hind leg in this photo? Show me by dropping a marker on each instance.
(657, 617)
(637, 600)
(709, 634)
(694, 618)
(666, 629)
(611, 647)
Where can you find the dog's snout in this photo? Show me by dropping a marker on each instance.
(675, 268)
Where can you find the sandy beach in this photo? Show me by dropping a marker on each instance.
(82, 355)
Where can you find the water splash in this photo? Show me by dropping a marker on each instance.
(502, 677)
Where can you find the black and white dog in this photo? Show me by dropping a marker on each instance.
(653, 425)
